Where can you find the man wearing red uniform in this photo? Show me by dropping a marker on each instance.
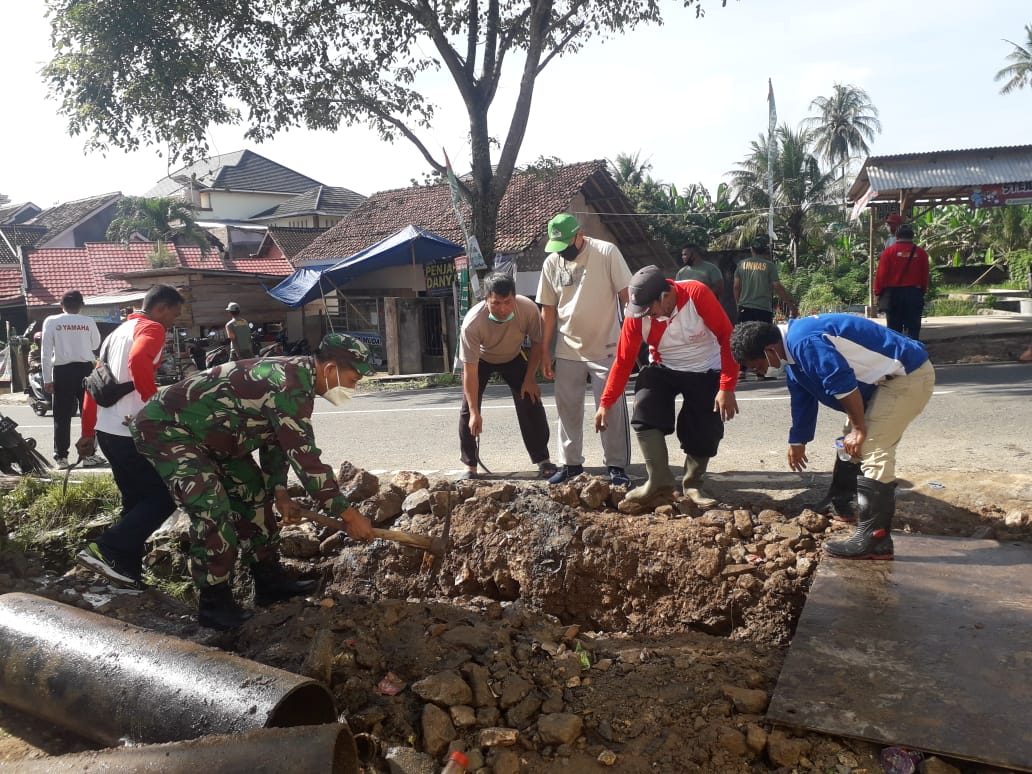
(688, 334)
(903, 272)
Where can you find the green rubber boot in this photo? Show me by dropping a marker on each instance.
(694, 473)
(653, 447)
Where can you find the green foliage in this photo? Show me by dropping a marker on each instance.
(1019, 263)
(949, 307)
(825, 288)
(158, 220)
(141, 72)
(801, 192)
(1018, 74)
(672, 217)
(36, 506)
(848, 120)
(161, 257)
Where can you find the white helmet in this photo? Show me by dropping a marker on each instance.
(233, 307)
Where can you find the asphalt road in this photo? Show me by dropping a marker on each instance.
(979, 419)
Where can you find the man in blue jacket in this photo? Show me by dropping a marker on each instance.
(881, 379)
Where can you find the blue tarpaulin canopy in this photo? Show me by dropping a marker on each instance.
(412, 245)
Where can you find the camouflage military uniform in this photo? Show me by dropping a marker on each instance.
(200, 434)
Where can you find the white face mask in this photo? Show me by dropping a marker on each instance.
(340, 394)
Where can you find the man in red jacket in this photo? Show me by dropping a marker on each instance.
(688, 334)
(903, 272)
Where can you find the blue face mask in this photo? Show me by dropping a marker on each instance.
(492, 318)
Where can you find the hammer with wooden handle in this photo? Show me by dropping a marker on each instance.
(437, 547)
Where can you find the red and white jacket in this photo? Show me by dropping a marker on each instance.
(696, 338)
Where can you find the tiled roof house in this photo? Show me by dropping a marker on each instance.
(237, 195)
(110, 270)
(73, 224)
(18, 213)
(284, 242)
(532, 199)
(318, 207)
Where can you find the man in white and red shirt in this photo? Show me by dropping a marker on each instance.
(133, 352)
(688, 334)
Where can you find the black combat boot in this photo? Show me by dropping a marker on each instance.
(217, 609)
(840, 500)
(873, 536)
(274, 584)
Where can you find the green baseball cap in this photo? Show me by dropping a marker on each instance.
(561, 231)
(342, 348)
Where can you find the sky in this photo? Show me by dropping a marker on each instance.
(688, 96)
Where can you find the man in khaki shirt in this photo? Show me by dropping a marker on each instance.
(581, 281)
(491, 341)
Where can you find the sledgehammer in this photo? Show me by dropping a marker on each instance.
(436, 547)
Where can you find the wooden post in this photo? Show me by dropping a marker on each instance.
(445, 344)
(872, 310)
(392, 347)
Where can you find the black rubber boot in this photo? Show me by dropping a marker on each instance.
(217, 609)
(840, 500)
(274, 584)
(873, 536)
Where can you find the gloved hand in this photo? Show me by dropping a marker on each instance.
(86, 447)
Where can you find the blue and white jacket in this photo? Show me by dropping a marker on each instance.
(830, 355)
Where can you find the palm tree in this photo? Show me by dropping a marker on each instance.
(158, 220)
(848, 120)
(1018, 73)
(630, 170)
(801, 191)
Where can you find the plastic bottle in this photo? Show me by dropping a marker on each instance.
(840, 449)
(457, 763)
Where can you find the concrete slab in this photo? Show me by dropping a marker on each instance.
(932, 651)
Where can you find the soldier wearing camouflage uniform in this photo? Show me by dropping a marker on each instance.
(200, 435)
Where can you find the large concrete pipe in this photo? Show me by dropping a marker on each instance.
(328, 749)
(116, 683)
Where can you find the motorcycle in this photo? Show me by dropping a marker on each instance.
(40, 400)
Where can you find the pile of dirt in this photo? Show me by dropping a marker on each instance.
(1004, 348)
(561, 633)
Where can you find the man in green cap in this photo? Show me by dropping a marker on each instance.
(200, 435)
(582, 280)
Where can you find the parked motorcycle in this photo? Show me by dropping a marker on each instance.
(40, 400)
(216, 356)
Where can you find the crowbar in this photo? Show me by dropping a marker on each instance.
(68, 472)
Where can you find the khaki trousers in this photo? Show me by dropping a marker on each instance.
(895, 404)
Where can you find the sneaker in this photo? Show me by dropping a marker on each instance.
(547, 469)
(618, 477)
(93, 559)
(93, 461)
(60, 462)
(565, 473)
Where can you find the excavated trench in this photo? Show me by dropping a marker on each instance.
(568, 552)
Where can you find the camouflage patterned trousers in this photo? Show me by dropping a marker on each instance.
(229, 505)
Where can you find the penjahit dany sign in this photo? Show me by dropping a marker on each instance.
(1002, 194)
(439, 277)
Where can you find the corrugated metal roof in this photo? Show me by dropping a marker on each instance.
(944, 171)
